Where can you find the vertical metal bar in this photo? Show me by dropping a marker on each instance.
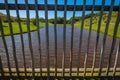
(104, 38)
(97, 37)
(116, 59)
(12, 37)
(38, 32)
(64, 39)
(89, 36)
(81, 34)
(5, 46)
(72, 36)
(55, 34)
(1, 68)
(113, 42)
(21, 35)
(29, 37)
(47, 38)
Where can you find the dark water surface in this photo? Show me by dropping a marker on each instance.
(60, 48)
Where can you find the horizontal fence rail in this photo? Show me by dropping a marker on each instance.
(64, 72)
(59, 7)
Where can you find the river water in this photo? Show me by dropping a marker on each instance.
(60, 48)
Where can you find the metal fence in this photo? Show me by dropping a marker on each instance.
(66, 73)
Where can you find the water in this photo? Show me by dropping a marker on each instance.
(60, 48)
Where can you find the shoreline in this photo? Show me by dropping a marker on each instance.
(60, 25)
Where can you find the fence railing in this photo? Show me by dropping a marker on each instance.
(67, 73)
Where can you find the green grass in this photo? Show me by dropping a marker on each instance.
(16, 29)
(103, 24)
(102, 29)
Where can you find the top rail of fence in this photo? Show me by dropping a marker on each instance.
(59, 7)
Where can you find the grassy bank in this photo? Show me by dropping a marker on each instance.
(16, 29)
(102, 28)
